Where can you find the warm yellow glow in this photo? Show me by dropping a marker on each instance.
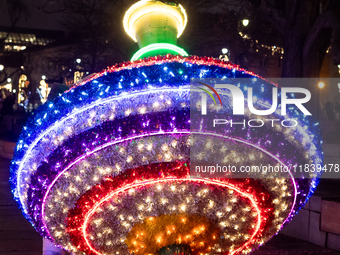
(44, 90)
(321, 85)
(144, 7)
(22, 80)
(164, 230)
(8, 86)
(23, 83)
(78, 76)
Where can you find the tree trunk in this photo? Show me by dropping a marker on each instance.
(327, 26)
(292, 59)
(306, 34)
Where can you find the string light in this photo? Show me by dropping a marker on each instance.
(199, 229)
(88, 139)
(31, 147)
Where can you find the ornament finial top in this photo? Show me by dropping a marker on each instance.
(153, 21)
(155, 25)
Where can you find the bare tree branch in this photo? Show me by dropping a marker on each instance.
(327, 21)
(46, 6)
(16, 9)
(274, 15)
(6, 76)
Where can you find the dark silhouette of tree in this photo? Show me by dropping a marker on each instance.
(305, 29)
(17, 10)
(308, 29)
(96, 34)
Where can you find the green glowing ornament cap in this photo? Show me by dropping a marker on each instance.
(158, 49)
(155, 25)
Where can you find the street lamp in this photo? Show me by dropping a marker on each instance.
(2, 67)
(321, 85)
(225, 51)
(245, 22)
(43, 77)
(9, 80)
(78, 60)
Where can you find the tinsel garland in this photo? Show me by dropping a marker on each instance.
(91, 91)
(115, 160)
(69, 129)
(88, 141)
(208, 61)
(151, 98)
(90, 202)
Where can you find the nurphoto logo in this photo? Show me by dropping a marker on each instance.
(238, 105)
(238, 99)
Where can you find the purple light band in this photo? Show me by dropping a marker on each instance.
(181, 120)
(162, 133)
(60, 122)
(103, 102)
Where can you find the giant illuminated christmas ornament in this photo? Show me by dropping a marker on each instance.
(105, 167)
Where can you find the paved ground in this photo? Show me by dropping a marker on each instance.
(17, 236)
(284, 245)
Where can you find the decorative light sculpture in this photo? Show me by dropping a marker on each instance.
(104, 168)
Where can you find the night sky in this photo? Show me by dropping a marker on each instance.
(36, 19)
